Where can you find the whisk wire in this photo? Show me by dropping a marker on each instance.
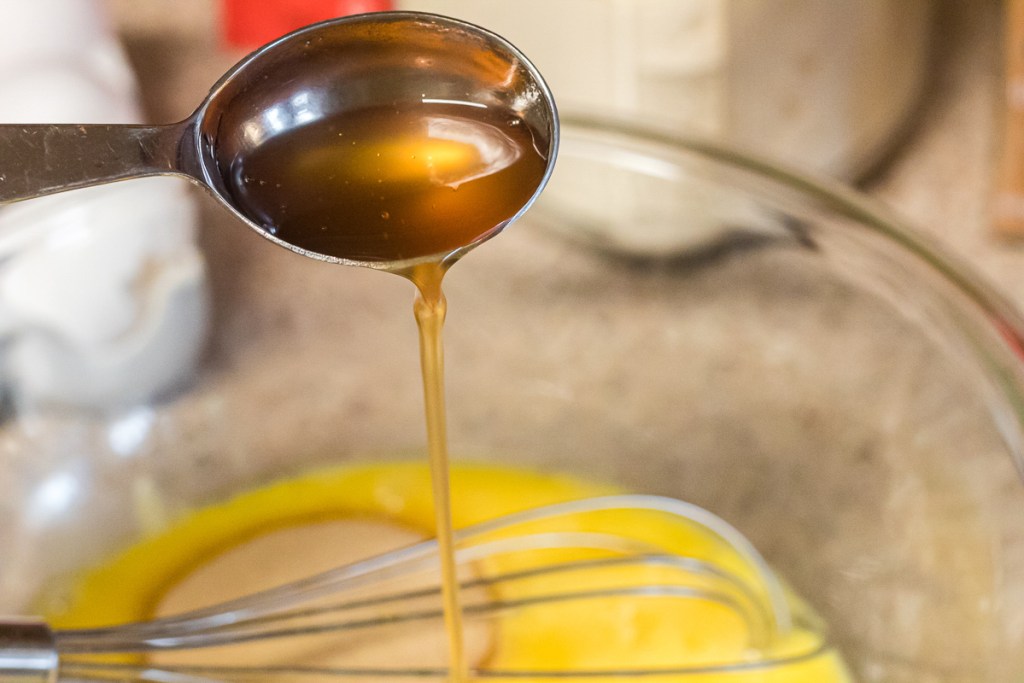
(601, 566)
(399, 562)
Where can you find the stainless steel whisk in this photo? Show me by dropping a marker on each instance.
(562, 563)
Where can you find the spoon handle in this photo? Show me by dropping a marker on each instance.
(41, 159)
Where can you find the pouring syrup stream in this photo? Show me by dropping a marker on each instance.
(402, 183)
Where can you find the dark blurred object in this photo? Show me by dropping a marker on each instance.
(248, 24)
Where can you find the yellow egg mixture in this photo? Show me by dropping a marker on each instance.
(297, 527)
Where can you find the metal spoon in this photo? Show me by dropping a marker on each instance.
(348, 64)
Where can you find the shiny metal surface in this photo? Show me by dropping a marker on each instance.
(28, 653)
(319, 71)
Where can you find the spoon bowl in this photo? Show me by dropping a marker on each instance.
(363, 63)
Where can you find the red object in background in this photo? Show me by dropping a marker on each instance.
(251, 23)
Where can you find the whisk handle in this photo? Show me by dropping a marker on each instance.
(28, 652)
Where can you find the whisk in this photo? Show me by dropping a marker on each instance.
(533, 566)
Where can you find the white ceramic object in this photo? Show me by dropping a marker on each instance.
(102, 291)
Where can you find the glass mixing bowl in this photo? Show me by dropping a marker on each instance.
(674, 317)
